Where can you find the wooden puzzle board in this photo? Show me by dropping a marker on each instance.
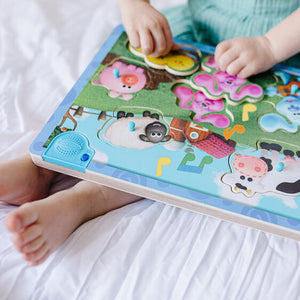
(183, 134)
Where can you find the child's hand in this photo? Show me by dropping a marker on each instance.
(146, 27)
(245, 56)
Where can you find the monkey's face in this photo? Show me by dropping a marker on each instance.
(155, 132)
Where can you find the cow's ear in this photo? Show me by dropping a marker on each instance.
(166, 138)
(144, 138)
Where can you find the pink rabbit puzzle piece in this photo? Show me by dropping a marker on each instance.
(205, 109)
(216, 84)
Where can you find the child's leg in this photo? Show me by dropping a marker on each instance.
(41, 227)
(22, 181)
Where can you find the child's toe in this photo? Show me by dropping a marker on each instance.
(39, 261)
(27, 214)
(13, 222)
(33, 245)
(37, 254)
(27, 235)
(21, 218)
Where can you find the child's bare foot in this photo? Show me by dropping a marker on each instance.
(41, 227)
(22, 181)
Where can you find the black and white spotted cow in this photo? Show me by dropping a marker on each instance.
(271, 172)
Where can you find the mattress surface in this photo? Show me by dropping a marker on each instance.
(146, 250)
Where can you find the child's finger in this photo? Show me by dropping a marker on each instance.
(226, 59)
(169, 39)
(146, 40)
(235, 67)
(134, 38)
(175, 46)
(248, 71)
(221, 49)
(160, 43)
(244, 73)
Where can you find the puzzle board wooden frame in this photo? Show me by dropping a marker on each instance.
(100, 170)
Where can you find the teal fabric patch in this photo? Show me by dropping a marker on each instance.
(211, 22)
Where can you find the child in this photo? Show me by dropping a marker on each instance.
(212, 22)
(40, 227)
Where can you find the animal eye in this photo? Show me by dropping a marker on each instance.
(158, 134)
(242, 177)
(124, 86)
(249, 179)
(153, 134)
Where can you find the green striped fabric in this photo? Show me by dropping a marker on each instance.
(212, 21)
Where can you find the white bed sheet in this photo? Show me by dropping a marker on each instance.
(146, 250)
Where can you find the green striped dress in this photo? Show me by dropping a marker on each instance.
(212, 21)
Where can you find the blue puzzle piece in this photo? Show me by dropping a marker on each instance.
(273, 122)
(285, 77)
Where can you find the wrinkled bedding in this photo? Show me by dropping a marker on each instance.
(146, 250)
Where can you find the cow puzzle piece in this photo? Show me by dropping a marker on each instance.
(264, 171)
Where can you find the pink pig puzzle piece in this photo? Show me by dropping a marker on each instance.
(216, 84)
(201, 106)
(121, 79)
